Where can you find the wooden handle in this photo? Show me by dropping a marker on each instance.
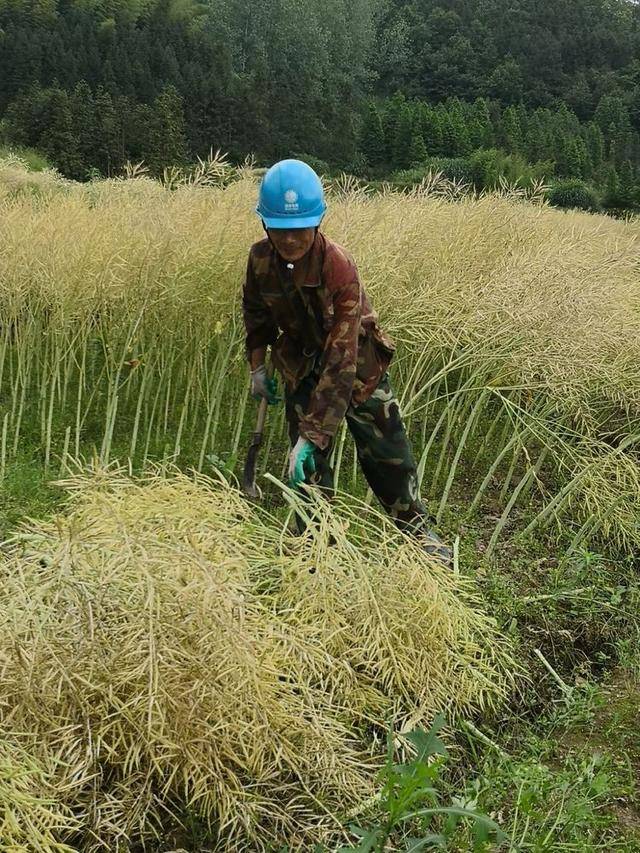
(262, 415)
(262, 409)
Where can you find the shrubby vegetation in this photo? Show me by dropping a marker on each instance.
(485, 146)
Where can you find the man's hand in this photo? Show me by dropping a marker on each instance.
(262, 386)
(301, 462)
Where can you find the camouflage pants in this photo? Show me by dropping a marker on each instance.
(383, 451)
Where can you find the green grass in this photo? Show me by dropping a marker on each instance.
(567, 780)
(34, 160)
(25, 492)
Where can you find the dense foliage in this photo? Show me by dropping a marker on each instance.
(483, 143)
(93, 85)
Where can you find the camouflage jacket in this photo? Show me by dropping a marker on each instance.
(317, 317)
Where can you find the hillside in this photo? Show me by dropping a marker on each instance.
(94, 85)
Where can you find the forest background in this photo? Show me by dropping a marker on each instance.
(482, 90)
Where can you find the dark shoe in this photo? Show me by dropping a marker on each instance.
(435, 547)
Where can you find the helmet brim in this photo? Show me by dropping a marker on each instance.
(292, 221)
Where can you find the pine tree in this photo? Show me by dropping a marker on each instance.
(568, 164)
(58, 140)
(481, 114)
(548, 145)
(506, 81)
(464, 146)
(595, 144)
(611, 115)
(450, 140)
(110, 156)
(402, 141)
(611, 196)
(584, 158)
(24, 120)
(83, 113)
(535, 145)
(626, 187)
(418, 153)
(476, 134)
(635, 147)
(431, 130)
(390, 121)
(613, 147)
(510, 130)
(136, 121)
(167, 140)
(566, 120)
(455, 137)
(372, 142)
(523, 120)
(459, 128)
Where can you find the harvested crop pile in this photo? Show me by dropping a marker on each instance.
(167, 649)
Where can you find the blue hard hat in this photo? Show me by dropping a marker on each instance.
(291, 196)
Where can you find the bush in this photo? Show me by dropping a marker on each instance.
(318, 165)
(17, 179)
(486, 168)
(492, 166)
(453, 168)
(456, 169)
(32, 159)
(573, 193)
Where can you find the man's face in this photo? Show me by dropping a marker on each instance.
(292, 243)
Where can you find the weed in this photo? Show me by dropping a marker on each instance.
(410, 802)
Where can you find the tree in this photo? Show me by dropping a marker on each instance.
(506, 82)
(611, 115)
(595, 144)
(481, 119)
(511, 131)
(455, 137)
(390, 122)
(611, 195)
(626, 186)
(418, 152)
(58, 140)
(431, 128)
(85, 128)
(579, 97)
(584, 161)
(109, 153)
(167, 141)
(401, 158)
(568, 163)
(276, 77)
(24, 120)
(372, 142)
(535, 141)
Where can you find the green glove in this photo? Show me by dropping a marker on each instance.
(262, 386)
(301, 458)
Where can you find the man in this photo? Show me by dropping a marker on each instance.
(302, 296)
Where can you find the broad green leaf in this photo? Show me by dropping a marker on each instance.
(428, 743)
(417, 845)
(368, 840)
(455, 810)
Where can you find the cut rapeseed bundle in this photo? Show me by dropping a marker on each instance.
(31, 816)
(165, 648)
